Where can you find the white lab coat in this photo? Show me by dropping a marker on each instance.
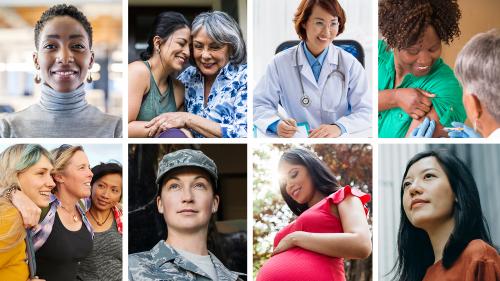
(281, 85)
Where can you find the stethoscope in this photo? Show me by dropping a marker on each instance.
(305, 100)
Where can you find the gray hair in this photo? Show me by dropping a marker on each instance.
(478, 69)
(223, 29)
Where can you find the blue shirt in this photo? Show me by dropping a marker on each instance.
(226, 103)
(316, 63)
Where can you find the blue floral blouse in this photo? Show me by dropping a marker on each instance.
(226, 103)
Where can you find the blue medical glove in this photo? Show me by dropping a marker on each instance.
(425, 129)
(467, 132)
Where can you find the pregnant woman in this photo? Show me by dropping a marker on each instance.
(331, 223)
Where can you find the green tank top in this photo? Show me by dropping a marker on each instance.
(155, 103)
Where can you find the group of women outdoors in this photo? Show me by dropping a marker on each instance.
(59, 219)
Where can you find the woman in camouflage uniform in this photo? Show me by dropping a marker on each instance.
(187, 199)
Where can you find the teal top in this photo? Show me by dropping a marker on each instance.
(394, 123)
(155, 103)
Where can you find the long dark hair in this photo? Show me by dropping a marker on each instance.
(164, 25)
(415, 252)
(322, 177)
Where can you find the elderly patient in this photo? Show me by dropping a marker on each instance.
(478, 70)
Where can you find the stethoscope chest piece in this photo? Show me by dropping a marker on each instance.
(305, 100)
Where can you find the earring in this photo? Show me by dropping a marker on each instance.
(37, 78)
(475, 125)
(89, 77)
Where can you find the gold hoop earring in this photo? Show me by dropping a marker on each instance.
(37, 78)
(89, 77)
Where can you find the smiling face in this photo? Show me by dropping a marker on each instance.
(419, 58)
(298, 183)
(210, 56)
(36, 182)
(187, 200)
(63, 56)
(77, 175)
(174, 52)
(106, 191)
(321, 28)
(428, 199)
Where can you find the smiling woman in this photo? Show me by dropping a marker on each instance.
(413, 80)
(64, 236)
(216, 88)
(331, 223)
(25, 169)
(63, 57)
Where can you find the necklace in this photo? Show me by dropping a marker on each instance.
(75, 217)
(100, 223)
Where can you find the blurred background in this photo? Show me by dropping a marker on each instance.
(147, 226)
(484, 162)
(17, 22)
(273, 24)
(351, 163)
(477, 16)
(141, 14)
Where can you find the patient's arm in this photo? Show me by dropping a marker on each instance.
(439, 132)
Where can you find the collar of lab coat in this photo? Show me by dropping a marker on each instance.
(330, 64)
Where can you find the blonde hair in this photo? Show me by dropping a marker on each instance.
(14, 160)
(62, 155)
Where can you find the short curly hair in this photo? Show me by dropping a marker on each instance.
(403, 22)
(59, 11)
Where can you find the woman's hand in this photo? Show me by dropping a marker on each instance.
(30, 212)
(166, 121)
(287, 242)
(415, 102)
(325, 131)
(287, 128)
(36, 279)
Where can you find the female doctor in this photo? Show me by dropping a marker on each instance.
(315, 81)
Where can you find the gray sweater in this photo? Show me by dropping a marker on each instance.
(61, 115)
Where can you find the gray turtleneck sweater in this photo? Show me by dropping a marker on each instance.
(61, 115)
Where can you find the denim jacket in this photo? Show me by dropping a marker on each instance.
(163, 263)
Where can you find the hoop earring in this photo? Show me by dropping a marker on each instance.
(37, 78)
(89, 77)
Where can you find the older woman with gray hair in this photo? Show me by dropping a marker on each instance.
(216, 87)
(477, 68)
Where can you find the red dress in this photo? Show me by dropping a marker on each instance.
(300, 264)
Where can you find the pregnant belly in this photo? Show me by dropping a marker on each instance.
(298, 264)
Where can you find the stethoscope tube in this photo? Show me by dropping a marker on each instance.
(305, 100)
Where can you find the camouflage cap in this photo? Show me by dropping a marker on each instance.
(186, 158)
